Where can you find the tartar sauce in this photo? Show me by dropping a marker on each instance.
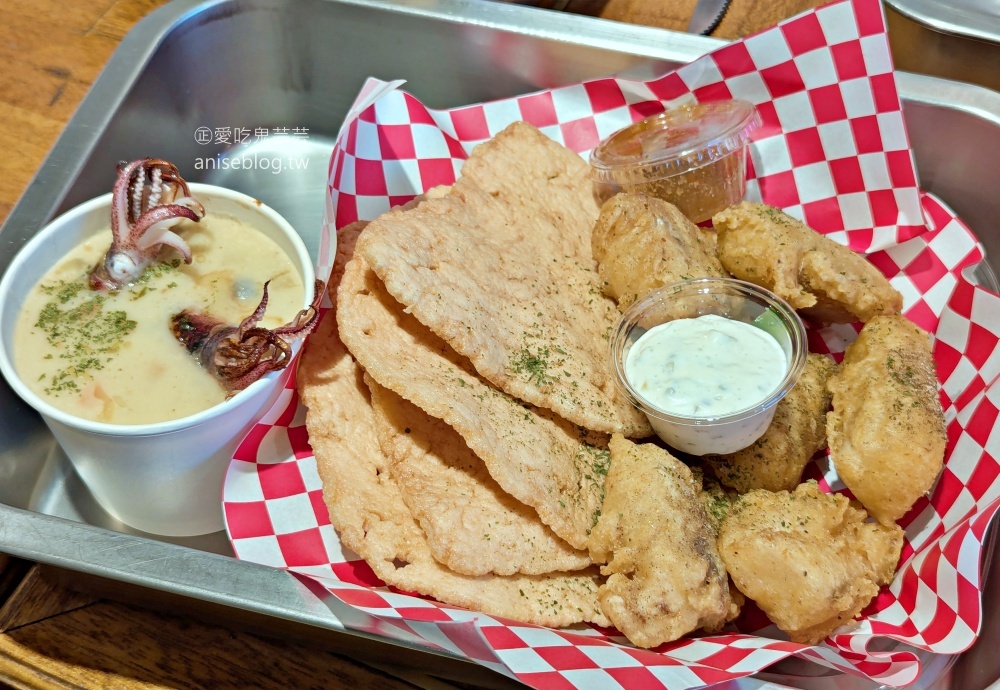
(708, 366)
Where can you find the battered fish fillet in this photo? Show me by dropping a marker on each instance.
(367, 508)
(472, 525)
(824, 280)
(809, 559)
(665, 576)
(642, 243)
(776, 460)
(887, 430)
(501, 269)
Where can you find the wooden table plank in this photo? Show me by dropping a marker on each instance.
(50, 53)
(12, 572)
(110, 645)
(35, 599)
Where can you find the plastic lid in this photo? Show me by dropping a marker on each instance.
(677, 140)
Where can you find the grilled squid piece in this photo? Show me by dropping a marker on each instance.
(239, 355)
(141, 218)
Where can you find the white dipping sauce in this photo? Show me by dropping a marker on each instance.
(706, 367)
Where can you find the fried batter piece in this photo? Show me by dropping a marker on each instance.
(775, 461)
(642, 243)
(501, 269)
(665, 574)
(824, 280)
(367, 509)
(472, 525)
(887, 430)
(809, 559)
(534, 455)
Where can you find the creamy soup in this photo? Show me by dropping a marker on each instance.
(112, 357)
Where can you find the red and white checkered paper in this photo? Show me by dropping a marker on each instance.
(833, 150)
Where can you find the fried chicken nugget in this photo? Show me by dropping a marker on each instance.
(825, 280)
(642, 243)
(665, 576)
(887, 430)
(776, 460)
(809, 559)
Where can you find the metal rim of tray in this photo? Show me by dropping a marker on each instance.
(956, 18)
(197, 574)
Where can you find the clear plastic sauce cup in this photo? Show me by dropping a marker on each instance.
(693, 156)
(732, 299)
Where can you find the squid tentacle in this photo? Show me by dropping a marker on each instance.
(137, 187)
(156, 187)
(140, 220)
(258, 313)
(239, 355)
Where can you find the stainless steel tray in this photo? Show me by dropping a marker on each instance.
(978, 19)
(274, 64)
(955, 40)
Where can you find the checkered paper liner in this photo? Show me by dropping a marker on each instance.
(833, 151)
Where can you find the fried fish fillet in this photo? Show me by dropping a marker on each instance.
(369, 514)
(472, 525)
(665, 575)
(501, 269)
(798, 431)
(642, 243)
(821, 278)
(809, 559)
(534, 455)
(887, 430)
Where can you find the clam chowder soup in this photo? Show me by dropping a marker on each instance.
(112, 357)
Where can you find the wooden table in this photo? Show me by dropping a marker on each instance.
(56, 638)
(50, 636)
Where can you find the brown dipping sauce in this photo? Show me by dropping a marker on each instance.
(693, 156)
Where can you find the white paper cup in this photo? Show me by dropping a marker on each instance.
(163, 478)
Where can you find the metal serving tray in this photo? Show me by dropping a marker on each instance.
(955, 40)
(978, 19)
(194, 66)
